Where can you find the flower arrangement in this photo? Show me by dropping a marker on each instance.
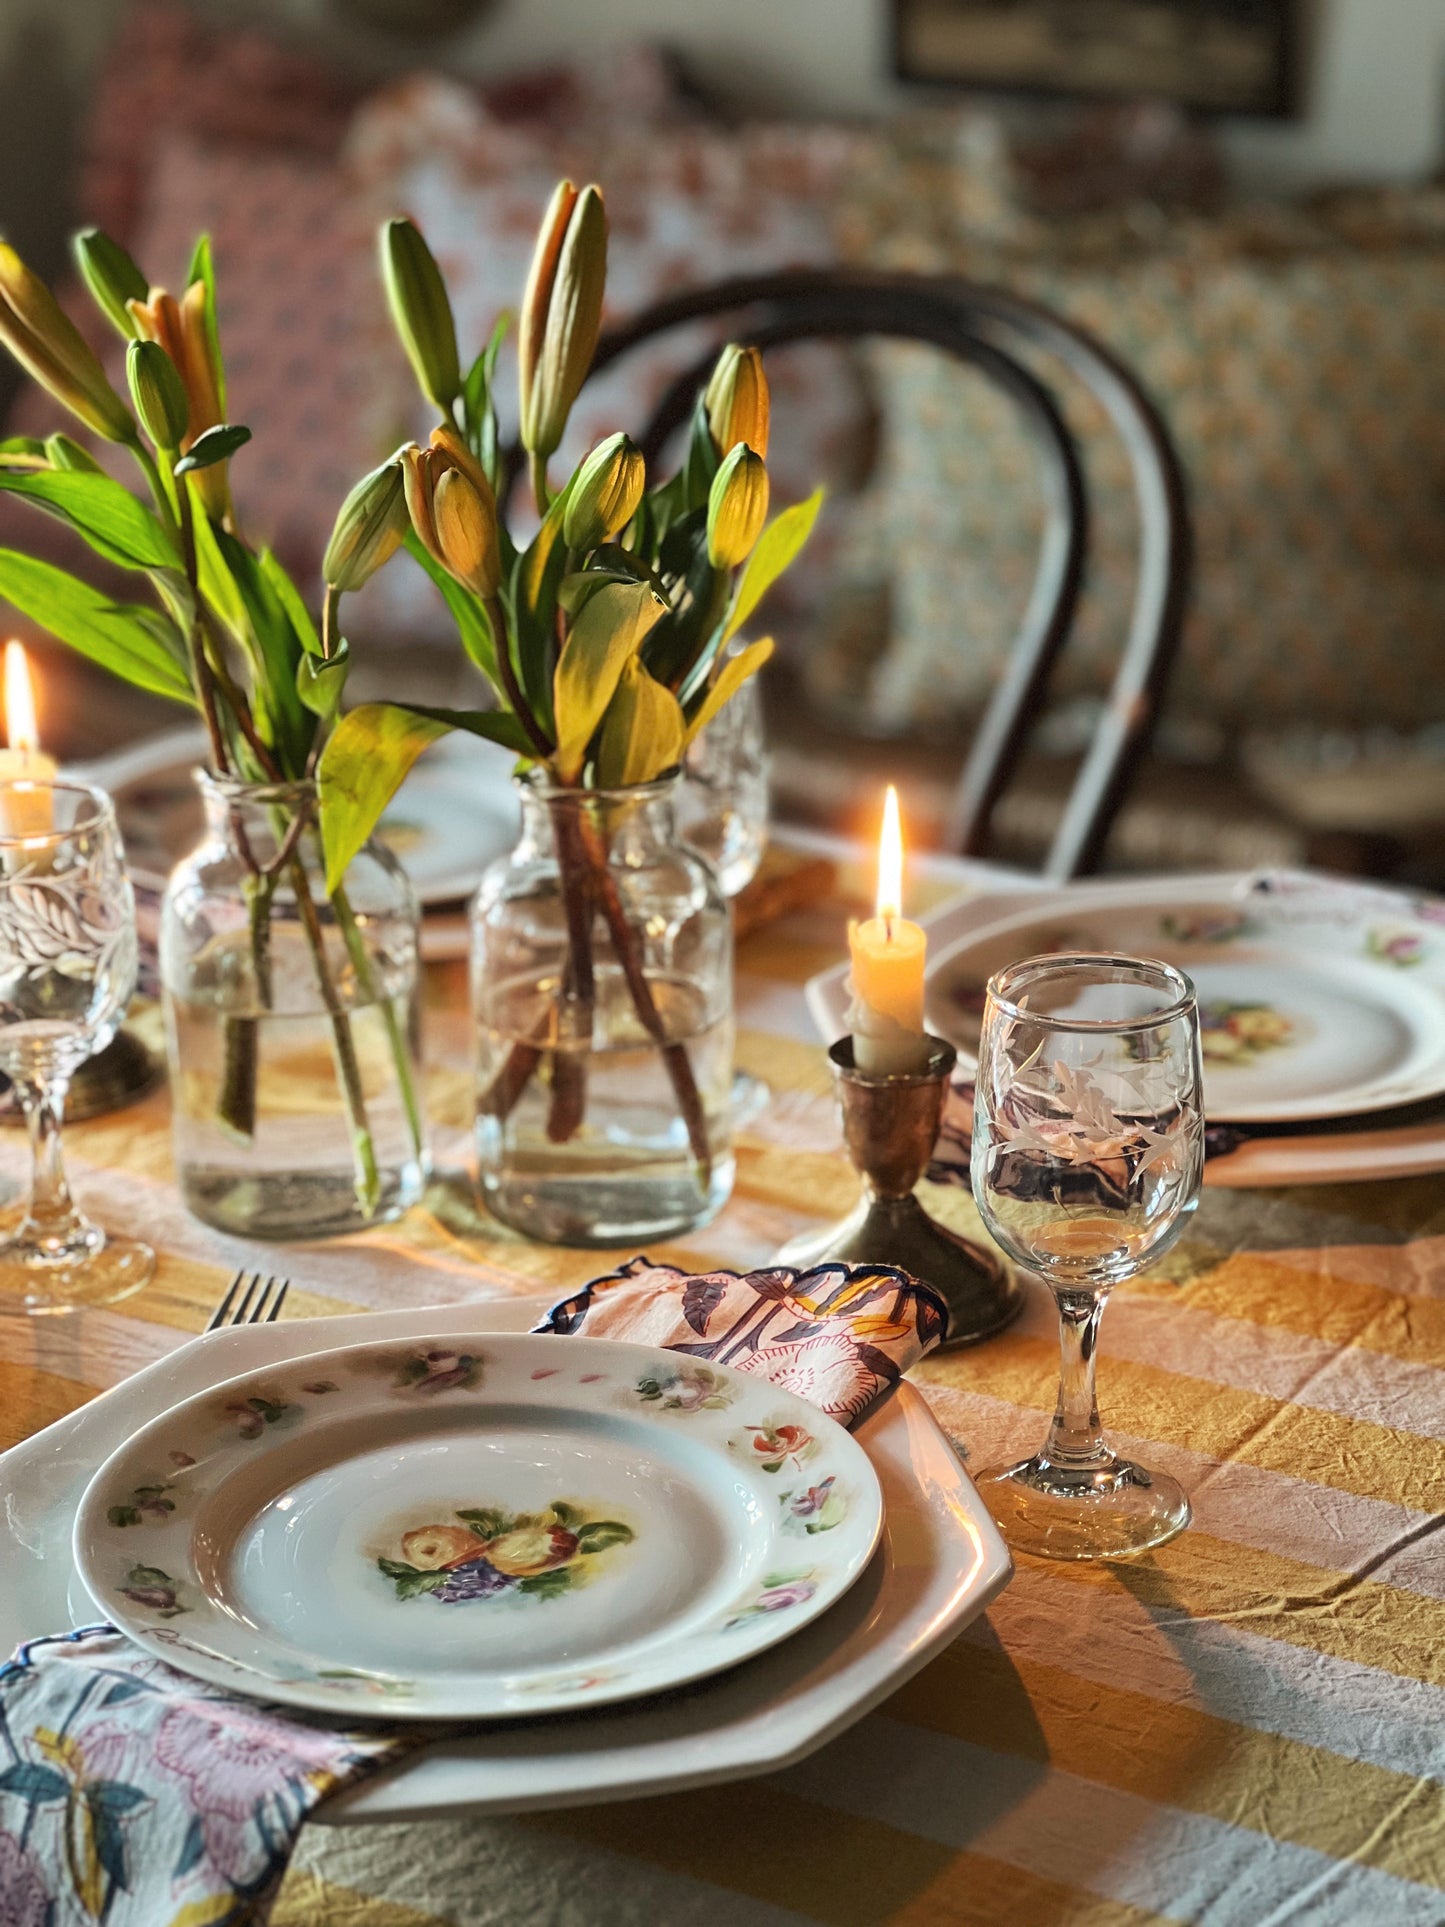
(605, 637)
(226, 629)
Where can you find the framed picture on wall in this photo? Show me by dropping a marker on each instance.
(1216, 56)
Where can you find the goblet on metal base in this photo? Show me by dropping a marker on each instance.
(890, 1125)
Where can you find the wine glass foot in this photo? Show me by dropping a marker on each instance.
(115, 1271)
(1108, 1511)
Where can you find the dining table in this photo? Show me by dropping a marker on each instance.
(1244, 1727)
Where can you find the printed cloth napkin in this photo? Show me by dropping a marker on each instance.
(840, 1336)
(135, 1796)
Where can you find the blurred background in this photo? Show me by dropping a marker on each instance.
(1242, 198)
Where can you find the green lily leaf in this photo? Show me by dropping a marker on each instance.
(121, 638)
(701, 464)
(642, 732)
(370, 755)
(218, 444)
(23, 451)
(467, 612)
(203, 269)
(289, 596)
(114, 523)
(776, 548)
(729, 680)
(535, 583)
(320, 681)
(273, 650)
(604, 639)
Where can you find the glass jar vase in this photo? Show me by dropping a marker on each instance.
(603, 1001)
(291, 1023)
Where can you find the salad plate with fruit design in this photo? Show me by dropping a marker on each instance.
(475, 1527)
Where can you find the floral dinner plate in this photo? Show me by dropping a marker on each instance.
(476, 1527)
(1317, 999)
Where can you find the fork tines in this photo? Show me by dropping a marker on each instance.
(261, 1299)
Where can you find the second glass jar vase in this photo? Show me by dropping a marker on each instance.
(290, 1016)
(602, 995)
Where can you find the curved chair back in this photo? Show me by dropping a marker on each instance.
(987, 327)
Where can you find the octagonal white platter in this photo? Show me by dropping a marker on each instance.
(473, 1527)
(939, 1564)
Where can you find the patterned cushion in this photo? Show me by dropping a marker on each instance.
(1304, 381)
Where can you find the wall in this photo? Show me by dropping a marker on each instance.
(1376, 84)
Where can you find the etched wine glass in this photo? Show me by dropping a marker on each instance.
(1088, 1151)
(67, 971)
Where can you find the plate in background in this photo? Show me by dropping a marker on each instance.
(457, 811)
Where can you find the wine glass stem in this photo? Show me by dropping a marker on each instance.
(1075, 1438)
(53, 1227)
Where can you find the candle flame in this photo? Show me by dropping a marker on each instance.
(890, 860)
(21, 729)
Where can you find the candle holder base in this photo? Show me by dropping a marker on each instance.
(981, 1294)
(890, 1125)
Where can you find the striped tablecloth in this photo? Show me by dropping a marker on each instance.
(1246, 1728)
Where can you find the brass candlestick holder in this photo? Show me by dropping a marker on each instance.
(890, 1125)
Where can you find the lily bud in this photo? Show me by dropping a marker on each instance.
(111, 276)
(737, 507)
(49, 346)
(466, 527)
(417, 297)
(606, 493)
(737, 402)
(182, 328)
(369, 529)
(454, 513)
(159, 394)
(561, 313)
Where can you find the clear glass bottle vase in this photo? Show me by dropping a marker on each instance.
(603, 1001)
(291, 1023)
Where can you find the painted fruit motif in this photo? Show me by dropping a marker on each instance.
(484, 1551)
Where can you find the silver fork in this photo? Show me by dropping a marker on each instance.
(264, 1311)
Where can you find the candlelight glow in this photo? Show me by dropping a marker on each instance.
(21, 730)
(890, 860)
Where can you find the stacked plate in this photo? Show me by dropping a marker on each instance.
(465, 1524)
(1322, 1006)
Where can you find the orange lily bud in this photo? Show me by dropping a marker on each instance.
(49, 346)
(737, 401)
(561, 313)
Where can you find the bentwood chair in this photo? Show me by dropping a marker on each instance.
(1001, 335)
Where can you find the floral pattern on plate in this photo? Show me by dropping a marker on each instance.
(771, 1447)
(1207, 927)
(155, 1590)
(1402, 948)
(489, 1552)
(778, 1592)
(690, 1388)
(818, 1509)
(146, 1502)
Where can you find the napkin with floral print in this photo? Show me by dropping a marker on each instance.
(135, 1796)
(840, 1336)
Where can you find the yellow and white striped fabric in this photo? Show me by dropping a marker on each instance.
(1246, 1728)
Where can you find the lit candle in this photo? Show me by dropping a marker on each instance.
(888, 952)
(27, 812)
